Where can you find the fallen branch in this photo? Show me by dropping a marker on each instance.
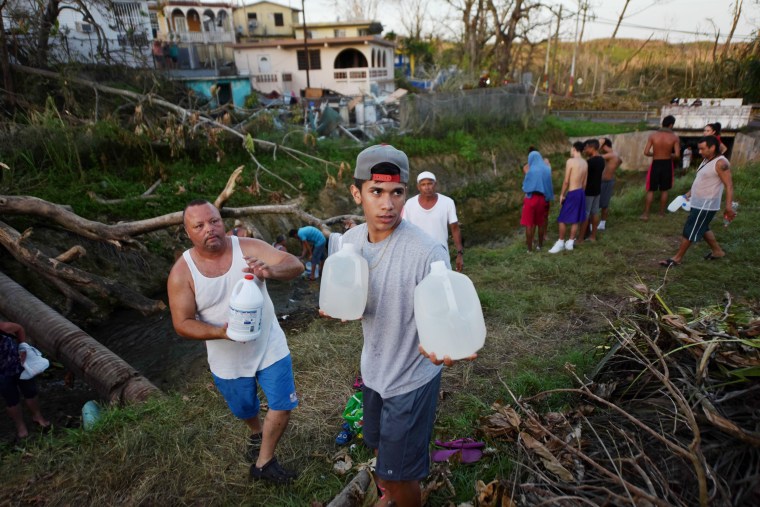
(38, 261)
(229, 188)
(117, 234)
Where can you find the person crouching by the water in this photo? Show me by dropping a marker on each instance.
(537, 186)
(314, 245)
(279, 243)
(11, 384)
(239, 230)
(200, 284)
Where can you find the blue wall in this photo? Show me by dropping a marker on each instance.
(241, 88)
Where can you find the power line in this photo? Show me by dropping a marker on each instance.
(659, 29)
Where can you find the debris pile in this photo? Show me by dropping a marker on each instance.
(669, 417)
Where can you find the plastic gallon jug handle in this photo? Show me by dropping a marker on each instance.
(450, 297)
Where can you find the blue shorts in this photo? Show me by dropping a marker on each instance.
(318, 254)
(697, 224)
(400, 428)
(275, 380)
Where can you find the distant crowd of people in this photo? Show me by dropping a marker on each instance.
(589, 181)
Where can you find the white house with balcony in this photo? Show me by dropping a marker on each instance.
(347, 65)
(201, 29)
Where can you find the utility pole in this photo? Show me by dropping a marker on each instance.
(305, 46)
(556, 48)
(575, 51)
(545, 76)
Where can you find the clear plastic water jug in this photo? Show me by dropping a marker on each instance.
(448, 314)
(246, 308)
(345, 281)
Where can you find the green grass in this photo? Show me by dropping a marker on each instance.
(582, 128)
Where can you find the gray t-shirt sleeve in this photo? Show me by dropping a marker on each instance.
(391, 363)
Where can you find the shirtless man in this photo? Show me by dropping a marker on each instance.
(572, 198)
(663, 146)
(611, 162)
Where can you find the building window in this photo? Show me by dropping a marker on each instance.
(154, 24)
(287, 77)
(252, 16)
(315, 60)
(339, 33)
(278, 19)
(363, 32)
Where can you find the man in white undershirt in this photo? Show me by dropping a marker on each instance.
(435, 213)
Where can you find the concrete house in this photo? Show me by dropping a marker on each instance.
(201, 29)
(264, 20)
(340, 56)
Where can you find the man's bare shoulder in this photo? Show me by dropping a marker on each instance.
(577, 164)
(180, 270)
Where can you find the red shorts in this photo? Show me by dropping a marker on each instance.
(535, 211)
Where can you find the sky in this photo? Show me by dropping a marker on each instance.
(674, 20)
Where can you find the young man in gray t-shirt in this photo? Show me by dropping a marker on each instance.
(401, 381)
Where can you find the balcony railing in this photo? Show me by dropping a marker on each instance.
(206, 37)
(359, 74)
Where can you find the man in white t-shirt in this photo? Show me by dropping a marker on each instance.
(435, 213)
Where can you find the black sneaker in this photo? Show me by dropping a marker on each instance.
(272, 472)
(253, 448)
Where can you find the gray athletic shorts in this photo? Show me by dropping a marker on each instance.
(400, 428)
(606, 195)
(592, 205)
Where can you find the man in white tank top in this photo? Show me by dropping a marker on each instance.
(199, 288)
(713, 175)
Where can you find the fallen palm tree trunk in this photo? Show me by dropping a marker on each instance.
(109, 375)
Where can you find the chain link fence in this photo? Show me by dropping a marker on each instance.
(438, 112)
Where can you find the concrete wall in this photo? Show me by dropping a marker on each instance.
(630, 146)
(746, 149)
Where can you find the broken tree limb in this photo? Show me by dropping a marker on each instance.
(10, 239)
(107, 373)
(72, 254)
(229, 188)
(123, 232)
(154, 99)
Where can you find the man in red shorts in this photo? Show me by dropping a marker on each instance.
(663, 146)
(537, 186)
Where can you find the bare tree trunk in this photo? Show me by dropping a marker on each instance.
(620, 20)
(5, 66)
(737, 12)
(109, 375)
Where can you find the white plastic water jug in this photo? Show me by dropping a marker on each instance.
(680, 202)
(246, 308)
(448, 314)
(345, 281)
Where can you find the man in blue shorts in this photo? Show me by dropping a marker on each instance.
(713, 175)
(200, 284)
(314, 245)
(401, 381)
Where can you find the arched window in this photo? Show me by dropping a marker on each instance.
(350, 58)
(373, 57)
(179, 23)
